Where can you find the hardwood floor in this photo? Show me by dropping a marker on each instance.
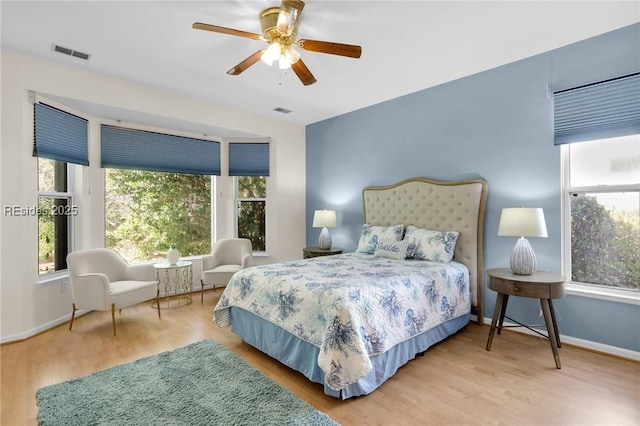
(456, 382)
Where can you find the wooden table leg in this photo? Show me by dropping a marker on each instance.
(494, 320)
(551, 330)
(555, 323)
(503, 312)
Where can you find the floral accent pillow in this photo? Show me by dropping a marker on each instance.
(425, 244)
(371, 234)
(392, 249)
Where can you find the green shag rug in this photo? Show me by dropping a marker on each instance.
(199, 384)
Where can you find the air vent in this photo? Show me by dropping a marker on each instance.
(282, 110)
(70, 52)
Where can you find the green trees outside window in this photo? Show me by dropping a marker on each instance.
(146, 212)
(605, 244)
(55, 213)
(251, 210)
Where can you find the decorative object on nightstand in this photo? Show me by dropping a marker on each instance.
(324, 219)
(522, 222)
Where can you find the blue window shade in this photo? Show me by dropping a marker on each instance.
(600, 110)
(59, 135)
(158, 152)
(248, 159)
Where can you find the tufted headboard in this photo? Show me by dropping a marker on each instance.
(439, 206)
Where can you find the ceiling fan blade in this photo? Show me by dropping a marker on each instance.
(349, 50)
(303, 72)
(224, 30)
(289, 16)
(242, 66)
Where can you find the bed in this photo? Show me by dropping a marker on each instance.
(349, 321)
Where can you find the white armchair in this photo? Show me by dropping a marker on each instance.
(229, 255)
(101, 280)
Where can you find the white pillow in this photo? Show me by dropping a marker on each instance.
(371, 234)
(425, 244)
(392, 249)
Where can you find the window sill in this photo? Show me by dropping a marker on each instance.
(613, 295)
(53, 277)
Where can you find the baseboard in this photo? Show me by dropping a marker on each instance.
(15, 338)
(581, 343)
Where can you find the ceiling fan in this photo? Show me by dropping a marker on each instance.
(279, 29)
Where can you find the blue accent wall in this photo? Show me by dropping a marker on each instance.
(498, 125)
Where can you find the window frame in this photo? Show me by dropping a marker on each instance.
(576, 288)
(69, 195)
(238, 200)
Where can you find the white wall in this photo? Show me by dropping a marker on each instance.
(28, 307)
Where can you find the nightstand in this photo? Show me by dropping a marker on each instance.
(541, 285)
(309, 252)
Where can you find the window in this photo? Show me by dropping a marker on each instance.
(249, 163)
(251, 202)
(157, 192)
(147, 211)
(55, 215)
(602, 212)
(59, 139)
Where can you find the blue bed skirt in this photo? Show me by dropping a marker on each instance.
(302, 356)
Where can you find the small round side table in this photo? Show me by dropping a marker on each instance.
(541, 285)
(175, 280)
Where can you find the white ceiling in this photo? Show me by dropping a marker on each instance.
(406, 46)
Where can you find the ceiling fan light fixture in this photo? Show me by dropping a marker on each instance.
(283, 63)
(272, 53)
(291, 55)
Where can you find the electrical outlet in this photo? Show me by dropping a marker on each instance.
(63, 286)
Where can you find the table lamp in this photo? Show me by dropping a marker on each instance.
(324, 219)
(522, 222)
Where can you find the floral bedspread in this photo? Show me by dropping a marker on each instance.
(351, 306)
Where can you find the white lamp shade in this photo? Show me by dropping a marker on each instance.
(324, 219)
(522, 222)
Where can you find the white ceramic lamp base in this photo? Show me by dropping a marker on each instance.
(324, 242)
(523, 259)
